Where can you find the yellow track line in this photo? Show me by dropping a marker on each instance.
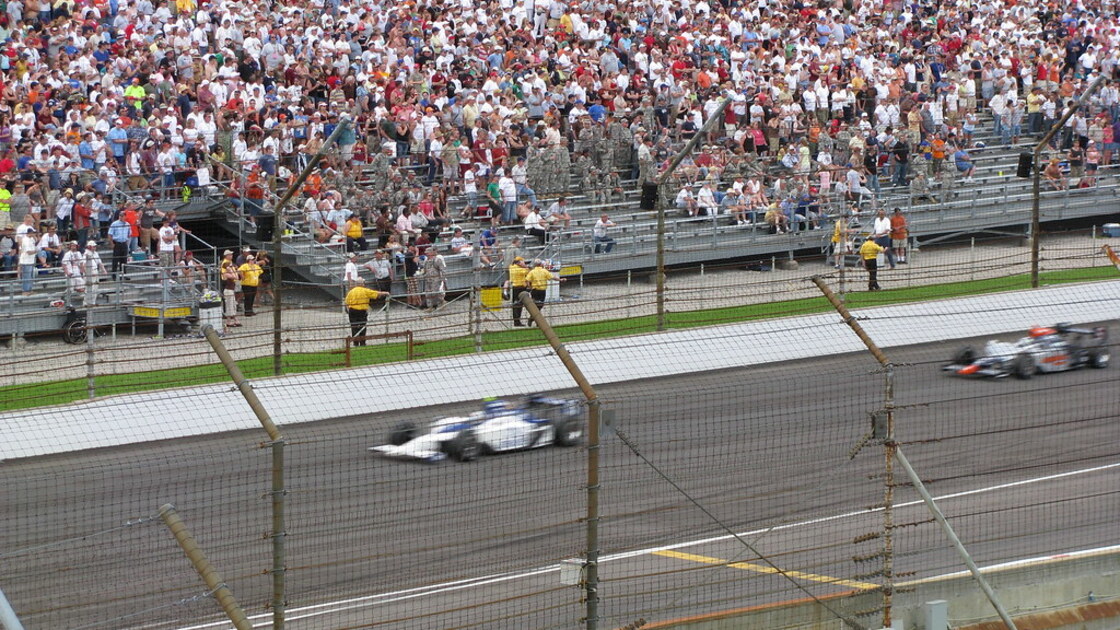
(758, 568)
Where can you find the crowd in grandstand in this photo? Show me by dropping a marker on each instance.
(460, 109)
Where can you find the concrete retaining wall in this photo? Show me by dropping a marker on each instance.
(159, 415)
(1051, 593)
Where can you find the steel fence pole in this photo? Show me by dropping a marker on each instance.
(591, 563)
(278, 492)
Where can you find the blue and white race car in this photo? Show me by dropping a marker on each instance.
(501, 426)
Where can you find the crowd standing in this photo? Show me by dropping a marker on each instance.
(471, 109)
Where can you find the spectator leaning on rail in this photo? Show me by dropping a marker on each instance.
(881, 233)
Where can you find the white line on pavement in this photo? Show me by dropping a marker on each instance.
(304, 612)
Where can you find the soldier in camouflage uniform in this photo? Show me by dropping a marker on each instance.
(919, 188)
(379, 169)
(534, 168)
(590, 138)
(622, 145)
(558, 165)
(581, 170)
(612, 187)
(646, 170)
(593, 185)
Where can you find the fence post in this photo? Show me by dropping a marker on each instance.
(91, 371)
(894, 453)
(278, 492)
(205, 570)
(591, 562)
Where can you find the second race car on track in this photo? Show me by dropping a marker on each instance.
(1044, 349)
(501, 426)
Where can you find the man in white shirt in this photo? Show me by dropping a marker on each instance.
(73, 262)
(509, 198)
(28, 257)
(93, 269)
(601, 234)
(521, 180)
(470, 189)
(881, 234)
(558, 212)
(168, 246)
(350, 275)
(382, 271)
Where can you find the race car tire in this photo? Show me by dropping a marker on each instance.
(964, 356)
(569, 431)
(463, 447)
(1022, 367)
(402, 433)
(74, 332)
(1099, 358)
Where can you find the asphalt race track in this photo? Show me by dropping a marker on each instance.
(1026, 468)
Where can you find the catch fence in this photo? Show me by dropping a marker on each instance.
(712, 491)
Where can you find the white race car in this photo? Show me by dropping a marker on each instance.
(1045, 349)
(500, 426)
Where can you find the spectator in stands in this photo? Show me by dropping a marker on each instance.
(535, 226)
(777, 219)
(28, 258)
(557, 213)
(1054, 175)
(404, 228)
(460, 244)
(50, 247)
(964, 163)
(686, 202)
(355, 234)
(601, 234)
(9, 249)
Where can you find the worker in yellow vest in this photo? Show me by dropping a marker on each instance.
(518, 283)
(538, 278)
(357, 308)
(869, 252)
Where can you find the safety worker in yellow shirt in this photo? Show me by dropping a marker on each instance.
(869, 252)
(538, 278)
(357, 308)
(518, 283)
(250, 280)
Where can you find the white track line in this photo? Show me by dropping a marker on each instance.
(304, 612)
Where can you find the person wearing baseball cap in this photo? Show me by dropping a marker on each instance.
(231, 282)
(518, 283)
(28, 257)
(357, 308)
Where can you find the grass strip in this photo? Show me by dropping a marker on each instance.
(26, 396)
